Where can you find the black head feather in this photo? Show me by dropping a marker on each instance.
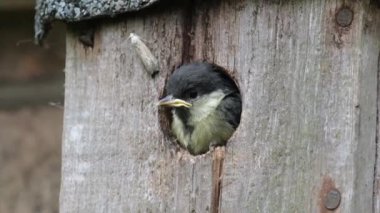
(197, 79)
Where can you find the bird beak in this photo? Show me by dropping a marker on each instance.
(169, 101)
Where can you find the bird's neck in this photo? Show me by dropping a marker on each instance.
(183, 114)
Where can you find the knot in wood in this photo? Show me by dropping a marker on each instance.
(344, 17)
(332, 199)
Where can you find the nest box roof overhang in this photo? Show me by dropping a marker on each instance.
(48, 11)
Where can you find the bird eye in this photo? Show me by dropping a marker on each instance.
(193, 94)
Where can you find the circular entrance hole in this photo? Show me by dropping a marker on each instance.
(200, 107)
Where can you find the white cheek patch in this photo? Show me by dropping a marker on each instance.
(204, 106)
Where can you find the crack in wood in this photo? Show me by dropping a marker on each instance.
(375, 183)
(187, 33)
(217, 171)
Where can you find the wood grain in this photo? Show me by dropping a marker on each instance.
(308, 125)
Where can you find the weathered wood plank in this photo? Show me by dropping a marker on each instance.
(116, 158)
(309, 110)
(373, 27)
(309, 103)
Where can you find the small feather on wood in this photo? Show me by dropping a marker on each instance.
(147, 58)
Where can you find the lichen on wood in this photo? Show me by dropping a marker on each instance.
(74, 10)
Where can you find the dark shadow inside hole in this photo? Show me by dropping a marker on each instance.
(215, 110)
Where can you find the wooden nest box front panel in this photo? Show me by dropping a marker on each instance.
(307, 140)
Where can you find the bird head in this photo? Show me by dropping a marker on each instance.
(206, 106)
(194, 83)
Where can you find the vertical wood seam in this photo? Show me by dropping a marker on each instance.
(217, 171)
(188, 15)
(375, 185)
(193, 199)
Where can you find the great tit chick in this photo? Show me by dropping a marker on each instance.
(206, 106)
